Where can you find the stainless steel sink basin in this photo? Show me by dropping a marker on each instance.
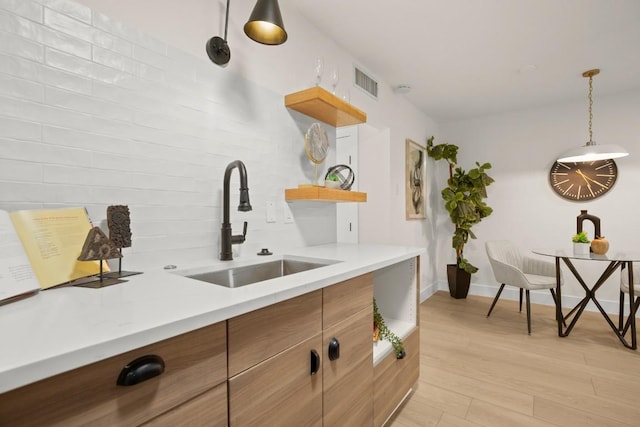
(245, 275)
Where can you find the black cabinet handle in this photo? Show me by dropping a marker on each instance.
(141, 369)
(334, 349)
(315, 362)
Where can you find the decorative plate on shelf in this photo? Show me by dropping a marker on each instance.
(316, 144)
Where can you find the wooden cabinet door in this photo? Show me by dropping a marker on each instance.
(281, 391)
(348, 380)
(194, 363)
(393, 378)
(260, 334)
(209, 409)
(346, 298)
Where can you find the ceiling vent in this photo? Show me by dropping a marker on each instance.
(365, 82)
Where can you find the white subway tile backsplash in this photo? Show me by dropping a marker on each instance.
(67, 62)
(20, 67)
(72, 9)
(43, 113)
(64, 80)
(84, 175)
(150, 57)
(78, 139)
(68, 25)
(86, 104)
(111, 42)
(78, 195)
(36, 32)
(19, 46)
(126, 93)
(43, 153)
(20, 129)
(94, 113)
(114, 60)
(19, 26)
(65, 43)
(117, 28)
(23, 171)
(29, 10)
(21, 88)
(83, 67)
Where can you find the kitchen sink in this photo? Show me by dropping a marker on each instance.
(235, 277)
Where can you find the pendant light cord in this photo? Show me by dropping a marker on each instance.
(590, 107)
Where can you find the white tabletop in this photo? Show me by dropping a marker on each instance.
(609, 256)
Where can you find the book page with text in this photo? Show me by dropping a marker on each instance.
(53, 240)
(16, 275)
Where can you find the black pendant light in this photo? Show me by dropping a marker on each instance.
(265, 26)
(265, 23)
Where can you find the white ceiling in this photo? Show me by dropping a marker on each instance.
(468, 58)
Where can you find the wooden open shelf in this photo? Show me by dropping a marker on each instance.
(322, 194)
(322, 105)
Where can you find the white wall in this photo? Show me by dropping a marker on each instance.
(522, 146)
(120, 105)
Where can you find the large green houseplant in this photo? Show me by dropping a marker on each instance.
(464, 198)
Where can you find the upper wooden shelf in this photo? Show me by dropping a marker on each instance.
(322, 194)
(318, 103)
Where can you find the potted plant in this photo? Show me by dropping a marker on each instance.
(332, 181)
(464, 198)
(581, 243)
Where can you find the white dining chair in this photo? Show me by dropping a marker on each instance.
(624, 290)
(511, 267)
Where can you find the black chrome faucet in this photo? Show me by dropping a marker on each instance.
(226, 238)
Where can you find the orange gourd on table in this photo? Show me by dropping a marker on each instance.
(599, 245)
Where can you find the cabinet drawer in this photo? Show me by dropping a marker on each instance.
(279, 391)
(209, 409)
(348, 380)
(194, 363)
(346, 298)
(394, 377)
(258, 335)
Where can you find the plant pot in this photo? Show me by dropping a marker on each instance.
(581, 248)
(459, 281)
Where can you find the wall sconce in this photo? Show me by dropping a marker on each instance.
(591, 151)
(264, 26)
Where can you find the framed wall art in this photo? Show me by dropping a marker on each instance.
(415, 181)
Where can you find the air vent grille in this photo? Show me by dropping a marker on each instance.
(366, 83)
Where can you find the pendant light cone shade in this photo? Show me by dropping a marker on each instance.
(265, 23)
(592, 151)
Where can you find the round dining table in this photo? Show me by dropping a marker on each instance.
(612, 261)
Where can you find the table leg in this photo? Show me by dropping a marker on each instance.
(559, 315)
(632, 311)
(590, 295)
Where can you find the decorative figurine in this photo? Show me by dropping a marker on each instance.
(98, 247)
(594, 220)
(599, 245)
(118, 221)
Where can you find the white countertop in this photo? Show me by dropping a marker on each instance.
(64, 328)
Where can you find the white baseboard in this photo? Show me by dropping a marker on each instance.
(511, 293)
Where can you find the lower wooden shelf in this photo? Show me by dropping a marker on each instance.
(323, 194)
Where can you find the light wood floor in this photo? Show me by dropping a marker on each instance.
(479, 371)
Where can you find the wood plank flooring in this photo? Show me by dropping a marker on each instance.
(479, 371)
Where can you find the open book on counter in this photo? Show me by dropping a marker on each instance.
(39, 249)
